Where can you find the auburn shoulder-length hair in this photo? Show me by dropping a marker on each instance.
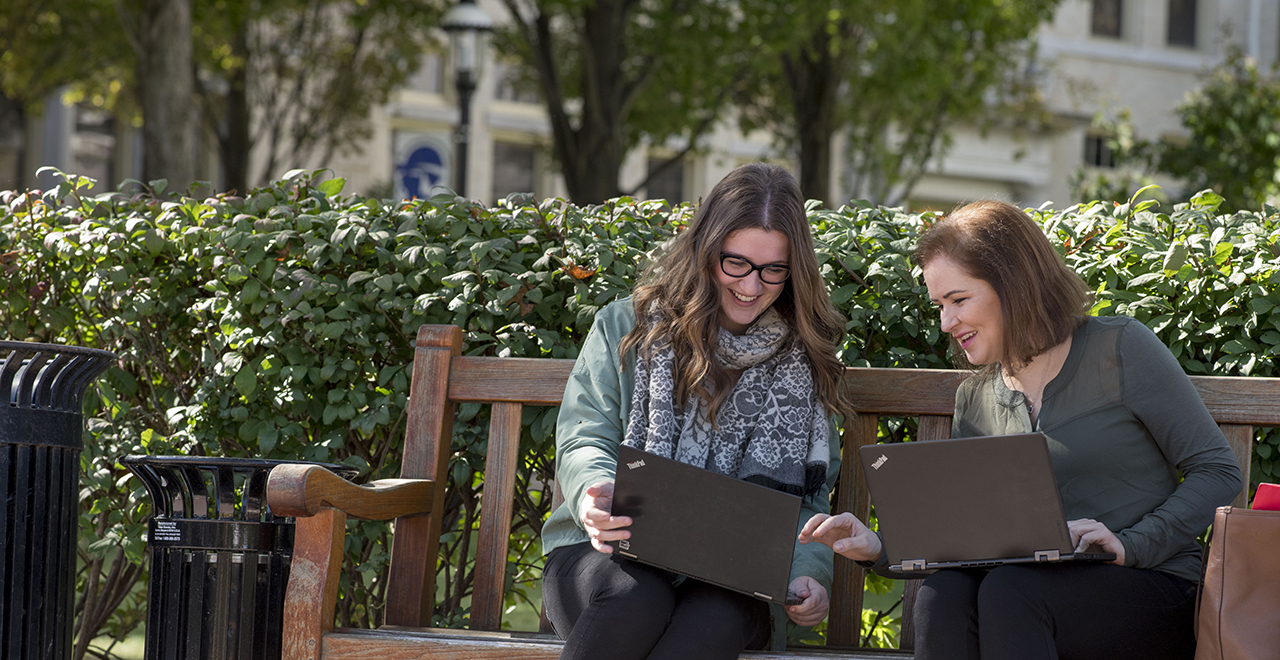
(1041, 299)
(677, 301)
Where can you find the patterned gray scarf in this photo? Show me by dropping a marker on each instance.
(772, 428)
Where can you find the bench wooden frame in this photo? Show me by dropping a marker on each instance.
(442, 377)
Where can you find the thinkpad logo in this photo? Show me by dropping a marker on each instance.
(879, 461)
(635, 464)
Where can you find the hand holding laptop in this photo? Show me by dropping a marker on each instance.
(599, 524)
(843, 533)
(1086, 532)
(814, 602)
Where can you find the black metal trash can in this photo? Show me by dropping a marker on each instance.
(41, 395)
(219, 560)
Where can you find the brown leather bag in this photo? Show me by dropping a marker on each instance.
(1239, 607)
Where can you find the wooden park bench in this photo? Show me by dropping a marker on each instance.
(442, 378)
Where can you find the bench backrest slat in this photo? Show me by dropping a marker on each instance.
(443, 378)
(902, 392)
(531, 381)
(1240, 437)
(427, 441)
(495, 526)
(1236, 400)
(844, 621)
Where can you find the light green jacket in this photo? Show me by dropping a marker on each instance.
(592, 423)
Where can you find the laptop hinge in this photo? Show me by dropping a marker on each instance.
(627, 554)
(909, 565)
(760, 595)
(1047, 555)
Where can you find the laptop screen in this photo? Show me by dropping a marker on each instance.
(692, 521)
(985, 500)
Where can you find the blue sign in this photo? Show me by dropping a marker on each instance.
(424, 169)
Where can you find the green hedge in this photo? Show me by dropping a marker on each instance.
(281, 324)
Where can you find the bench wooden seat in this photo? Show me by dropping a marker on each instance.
(442, 378)
(398, 642)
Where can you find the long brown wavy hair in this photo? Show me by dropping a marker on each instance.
(1040, 297)
(678, 302)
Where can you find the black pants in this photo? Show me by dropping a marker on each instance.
(609, 607)
(1073, 612)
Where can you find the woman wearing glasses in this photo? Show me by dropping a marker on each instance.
(724, 358)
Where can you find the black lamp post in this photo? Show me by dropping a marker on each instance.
(468, 27)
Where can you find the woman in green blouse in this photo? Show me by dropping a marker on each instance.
(1139, 462)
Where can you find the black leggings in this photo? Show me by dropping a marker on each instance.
(608, 607)
(1070, 611)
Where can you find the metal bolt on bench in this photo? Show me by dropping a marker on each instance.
(219, 559)
(41, 426)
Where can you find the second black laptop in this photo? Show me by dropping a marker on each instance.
(718, 529)
(969, 503)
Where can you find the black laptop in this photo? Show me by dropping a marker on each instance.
(725, 531)
(969, 503)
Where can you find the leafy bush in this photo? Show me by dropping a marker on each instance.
(1205, 282)
(281, 325)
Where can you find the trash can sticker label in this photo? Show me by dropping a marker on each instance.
(165, 531)
(236, 535)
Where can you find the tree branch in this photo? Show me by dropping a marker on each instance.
(131, 25)
(564, 136)
(925, 143)
(702, 127)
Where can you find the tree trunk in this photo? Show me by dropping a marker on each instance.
(167, 88)
(13, 131)
(815, 159)
(236, 142)
(600, 136)
(590, 154)
(815, 80)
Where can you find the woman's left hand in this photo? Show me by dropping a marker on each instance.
(1086, 532)
(814, 607)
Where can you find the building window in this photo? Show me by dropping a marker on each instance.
(430, 75)
(513, 169)
(666, 183)
(93, 146)
(1182, 23)
(1097, 152)
(1106, 18)
(513, 84)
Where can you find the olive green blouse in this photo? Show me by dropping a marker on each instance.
(1132, 444)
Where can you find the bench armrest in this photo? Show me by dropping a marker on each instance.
(320, 501)
(300, 491)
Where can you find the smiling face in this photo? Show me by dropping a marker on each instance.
(744, 299)
(970, 310)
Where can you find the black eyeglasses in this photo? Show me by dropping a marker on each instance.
(735, 266)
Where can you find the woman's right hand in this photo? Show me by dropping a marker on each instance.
(600, 525)
(843, 533)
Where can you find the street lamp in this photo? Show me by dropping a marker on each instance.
(468, 27)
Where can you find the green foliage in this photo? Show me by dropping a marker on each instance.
(280, 325)
(615, 72)
(50, 43)
(1234, 142)
(897, 74)
(1232, 146)
(298, 79)
(295, 79)
(864, 253)
(1204, 281)
(1130, 156)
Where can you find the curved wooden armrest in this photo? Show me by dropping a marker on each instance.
(301, 490)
